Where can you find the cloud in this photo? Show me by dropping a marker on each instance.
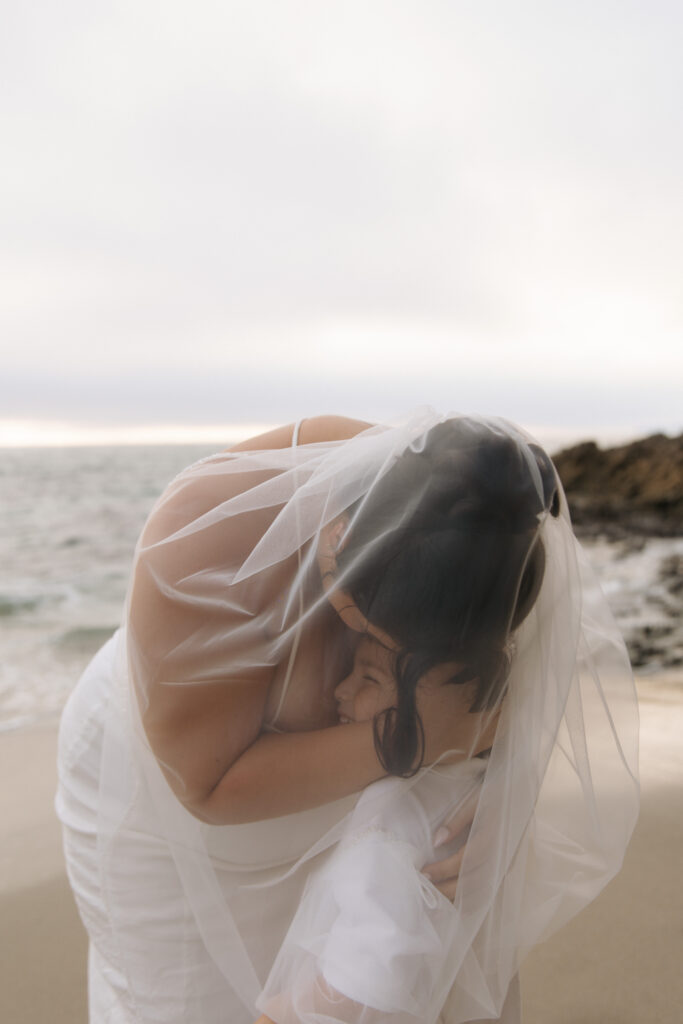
(258, 188)
(187, 397)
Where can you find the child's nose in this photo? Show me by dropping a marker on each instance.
(344, 690)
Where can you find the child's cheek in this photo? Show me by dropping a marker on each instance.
(364, 706)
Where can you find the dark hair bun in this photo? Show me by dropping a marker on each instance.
(444, 555)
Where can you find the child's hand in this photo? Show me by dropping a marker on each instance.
(444, 873)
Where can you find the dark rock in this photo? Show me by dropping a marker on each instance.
(635, 488)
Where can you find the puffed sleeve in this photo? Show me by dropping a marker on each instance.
(370, 936)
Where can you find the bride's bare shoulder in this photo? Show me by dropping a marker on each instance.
(330, 428)
(313, 430)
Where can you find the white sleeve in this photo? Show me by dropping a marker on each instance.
(383, 945)
(369, 939)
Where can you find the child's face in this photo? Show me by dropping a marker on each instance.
(370, 686)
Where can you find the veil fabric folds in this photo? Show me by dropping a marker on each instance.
(323, 916)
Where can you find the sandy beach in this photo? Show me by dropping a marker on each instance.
(619, 962)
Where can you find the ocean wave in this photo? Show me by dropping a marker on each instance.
(10, 605)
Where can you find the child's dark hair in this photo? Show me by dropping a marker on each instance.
(459, 573)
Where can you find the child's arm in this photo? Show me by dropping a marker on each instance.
(370, 932)
(372, 938)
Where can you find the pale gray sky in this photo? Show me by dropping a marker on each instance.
(216, 213)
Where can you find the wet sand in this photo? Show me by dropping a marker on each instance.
(619, 962)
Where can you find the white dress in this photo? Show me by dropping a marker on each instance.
(148, 960)
(369, 921)
(149, 955)
(186, 920)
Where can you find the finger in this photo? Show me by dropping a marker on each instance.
(445, 870)
(470, 857)
(347, 610)
(342, 601)
(462, 819)
(448, 888)
(351, 615)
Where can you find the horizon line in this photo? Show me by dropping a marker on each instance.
(16, 433)
(77, 434)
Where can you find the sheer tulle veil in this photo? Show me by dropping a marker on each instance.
(227, 579)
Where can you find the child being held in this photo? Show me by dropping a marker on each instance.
(371, 939)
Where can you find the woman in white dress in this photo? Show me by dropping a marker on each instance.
(203, 772)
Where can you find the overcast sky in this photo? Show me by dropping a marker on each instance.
(218, 213)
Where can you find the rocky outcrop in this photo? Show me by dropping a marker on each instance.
(626, 505)
(634, 488)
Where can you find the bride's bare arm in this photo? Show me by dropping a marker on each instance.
(289, 772)
(206, 735)
(208, 741)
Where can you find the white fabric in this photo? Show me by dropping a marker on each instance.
(148, 961)
(370, 936)
(185, 919)
(271, 725)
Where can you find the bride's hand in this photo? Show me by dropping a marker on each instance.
(330, 543)
(444, 873)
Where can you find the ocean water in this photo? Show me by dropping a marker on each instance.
(69, 520)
